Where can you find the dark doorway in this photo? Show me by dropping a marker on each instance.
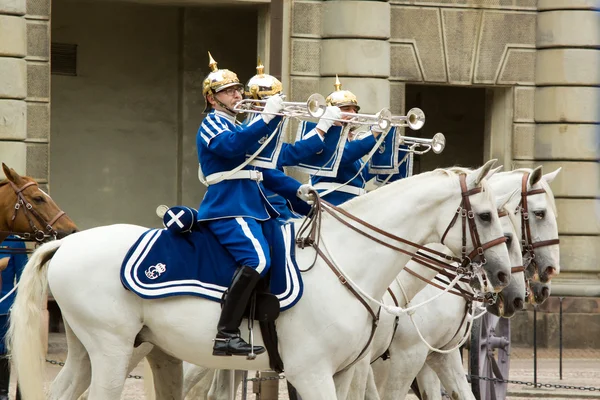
(457, 112)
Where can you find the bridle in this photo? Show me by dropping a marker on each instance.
(527, 243)
(309, 235)
(39, 235)
(468, 218)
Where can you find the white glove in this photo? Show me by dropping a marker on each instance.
(273, 106)
(326, 121)
(305, 193)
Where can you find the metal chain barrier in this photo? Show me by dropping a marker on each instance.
(62, 364)
(269, 378)
(538, 385)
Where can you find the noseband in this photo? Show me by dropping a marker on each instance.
(22, 204)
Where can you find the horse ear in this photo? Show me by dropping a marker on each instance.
(535, 176)
(506, 200)
(475, 177)
(10, 173)
(493, 171)
(550, 177)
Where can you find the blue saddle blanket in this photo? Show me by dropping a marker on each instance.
(164, 263)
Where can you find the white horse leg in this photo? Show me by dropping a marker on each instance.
(317, 384)
(405, 364)
(196, 380)
(109, 353)
(74, 378)
(358, 385)
(220, 388)
(371, 392)
(380, 371)
(429, 384)
(197, 386)
(450, 370)
(167, 372)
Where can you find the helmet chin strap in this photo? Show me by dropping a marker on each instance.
(219, 102)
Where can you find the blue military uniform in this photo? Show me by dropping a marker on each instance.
(350, 164)
(233, 208)
(10, 276)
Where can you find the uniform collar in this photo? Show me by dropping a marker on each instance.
(227, 116)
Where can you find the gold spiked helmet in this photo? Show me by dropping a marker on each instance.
(261, 85)
(217, 80)
(341, 98)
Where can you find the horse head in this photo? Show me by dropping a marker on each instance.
(25, 209)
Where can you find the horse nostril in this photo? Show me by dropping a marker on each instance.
(518, 302)
(545, 293)
(74, 230)
(548, 274)
(503, 278)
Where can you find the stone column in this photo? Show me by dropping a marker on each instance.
(567, 133)
(37, 20)
(355, 45)
(13, 84)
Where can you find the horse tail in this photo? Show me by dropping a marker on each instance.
(24, 337)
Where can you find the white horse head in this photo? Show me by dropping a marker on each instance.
(541, 218)
(512, 297)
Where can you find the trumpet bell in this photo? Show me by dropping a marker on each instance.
(316, 105)
(438, 143)
(384, 119)
(415, 119)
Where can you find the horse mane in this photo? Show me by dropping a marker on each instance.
(452, 172)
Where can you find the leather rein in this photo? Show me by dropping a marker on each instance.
(39, 235)
(312, 225)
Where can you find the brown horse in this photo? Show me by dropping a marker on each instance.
(29, 212)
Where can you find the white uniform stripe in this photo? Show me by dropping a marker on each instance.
(262, 261)
(213, 130)
(222, 124)
(206, 138)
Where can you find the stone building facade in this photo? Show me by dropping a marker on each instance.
(520, 78)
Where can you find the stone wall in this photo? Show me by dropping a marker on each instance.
(567, 134)
(25, 86)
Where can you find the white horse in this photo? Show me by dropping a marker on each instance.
(108, 321)
(448, 368)
(437, 320)
(510, 299)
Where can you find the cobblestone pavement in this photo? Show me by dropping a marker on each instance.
(580, 368)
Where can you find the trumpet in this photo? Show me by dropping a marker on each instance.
(382, 119)
(414, 119)
(290, 108)
(315, 107)
(437, 144)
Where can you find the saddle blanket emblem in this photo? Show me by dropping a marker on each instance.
(165, 262)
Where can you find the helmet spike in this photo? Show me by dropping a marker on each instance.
(337, 85)
(212, 63)
(260, 68)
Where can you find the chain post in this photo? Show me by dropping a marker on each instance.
(269, 388)
(560, 338)
(535, 345)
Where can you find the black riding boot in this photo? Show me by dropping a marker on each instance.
(4, 377)
(228, 341)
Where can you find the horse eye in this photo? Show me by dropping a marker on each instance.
(38, 199)
(487, 217)
(539, 214)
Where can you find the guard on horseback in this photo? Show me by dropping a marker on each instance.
(261, 87)
(351, 177)
(235, 207)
